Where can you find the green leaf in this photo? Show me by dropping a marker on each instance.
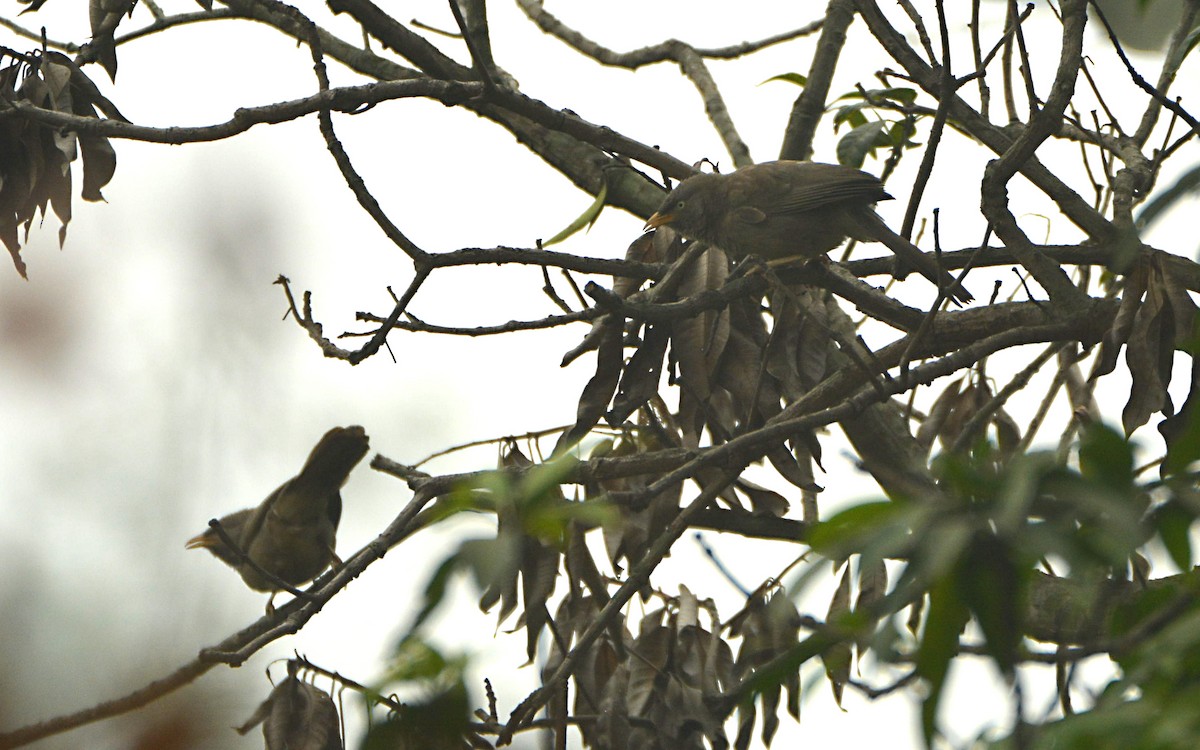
(414, 659)
(795, 78)
(992, 586)
(899, 94)
(853, 528)
(541, 485)
(851, 114)
(435, 590)
(948, 615)
(1190, 41)
(1137, 610)
(901, 132)
(585, 219)
(1184, 449)
(1174, 523)
(853, 148)
(1105, 456)
(434, 723)
(494, 564)
(1020, 485)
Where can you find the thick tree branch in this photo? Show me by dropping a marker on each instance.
(810, 104)
(1040, 127)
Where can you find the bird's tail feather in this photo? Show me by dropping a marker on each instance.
(333, 458)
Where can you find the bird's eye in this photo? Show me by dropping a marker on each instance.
(680, 205)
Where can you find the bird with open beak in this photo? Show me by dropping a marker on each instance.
(291, 534)
(786, 209)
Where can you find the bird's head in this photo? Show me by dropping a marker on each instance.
(685, 208)
(234, 525)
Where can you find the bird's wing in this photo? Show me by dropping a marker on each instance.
(258, 516)
(795, 187)
(748, 215)
(334, 509)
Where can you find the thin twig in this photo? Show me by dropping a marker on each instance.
(245, 559)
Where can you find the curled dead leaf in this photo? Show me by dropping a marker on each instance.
(297, 716)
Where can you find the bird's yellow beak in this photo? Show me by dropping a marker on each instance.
(658, 220)
(201, 541)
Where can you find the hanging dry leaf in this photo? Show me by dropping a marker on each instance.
(1079, 391)
(939, 413)
(763, 502)
(837, 658)
(767, 627)
(599, 390)
(1148, 354)
(872, 585)
(104, 16)
(641, 376)
(628, 532)
(699, 341)
(1156, 317)
(1117, 334)
(653, 247)
(35, 160)
(956, 407)
(297, 716)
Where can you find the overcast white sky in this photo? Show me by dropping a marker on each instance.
(150, 383)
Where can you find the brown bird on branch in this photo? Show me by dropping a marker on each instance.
(784, 209)
(291, 534)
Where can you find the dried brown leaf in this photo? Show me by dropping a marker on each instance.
(763, 502)
(1117, 334)
(792, 469)
(99, 165)
(1151, 341)
(769, 700)
(783, 351)
(746, 719)
(1174, 427)
(942, 407)
(104, 16)
(1008, 433)
(718, 662)
(963, 409)
(1079, 393)
(688, 613)
(600, 388)
(741, 375)
(915, 610)
(539, 572)
(641, 376)
(1183, 309)
(297, 716)
(837, 658)
(652, 650)
(1140, 567)
(58, 83)
(872, 586)
(697, 342)
(652, 247)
